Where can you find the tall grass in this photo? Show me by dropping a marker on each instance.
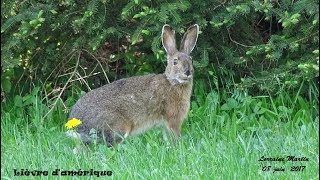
(223, 137)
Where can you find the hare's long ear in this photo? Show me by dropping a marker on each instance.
(168, 39)
(189, 39)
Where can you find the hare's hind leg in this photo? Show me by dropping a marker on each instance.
(112, 137)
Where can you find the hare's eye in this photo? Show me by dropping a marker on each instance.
(175, 61)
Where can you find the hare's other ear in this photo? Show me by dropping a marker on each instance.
(168, 39)
(189, 39)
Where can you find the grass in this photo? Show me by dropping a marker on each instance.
(223, 138)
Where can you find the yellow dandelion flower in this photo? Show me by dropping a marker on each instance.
(74, 122)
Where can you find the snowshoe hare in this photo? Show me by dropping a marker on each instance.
(133, 105)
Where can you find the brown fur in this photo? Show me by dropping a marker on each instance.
(133, 105)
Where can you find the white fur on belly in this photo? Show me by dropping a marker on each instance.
(143, 127)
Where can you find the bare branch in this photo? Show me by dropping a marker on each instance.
(64, 87)
(237, 42)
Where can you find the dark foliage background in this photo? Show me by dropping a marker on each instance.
(61, 46)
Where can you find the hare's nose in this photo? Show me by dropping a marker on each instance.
(188, 73)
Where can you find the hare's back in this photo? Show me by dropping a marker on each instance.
(129, 96)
